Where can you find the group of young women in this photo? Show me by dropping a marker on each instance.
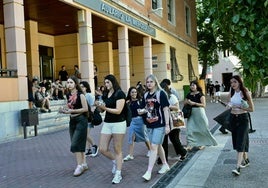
(151, 109)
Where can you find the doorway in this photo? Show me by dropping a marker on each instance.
(46, 63)
(226, 77)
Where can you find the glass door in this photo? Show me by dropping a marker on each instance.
(46, 68)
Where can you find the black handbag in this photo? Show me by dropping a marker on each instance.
(224, 119)
(96, 118)
(187, 111)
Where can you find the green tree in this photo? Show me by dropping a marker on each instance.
(241, 26)
(207, 53)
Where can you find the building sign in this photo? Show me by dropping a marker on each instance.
(117, 14)
(154, 61)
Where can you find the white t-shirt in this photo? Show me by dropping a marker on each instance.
(173, 100)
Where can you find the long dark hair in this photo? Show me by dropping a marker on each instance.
(86, 85)
(198, 87)
(129, 94)
(164, 86)
(76, 81)
(115, 83)
(241, 87)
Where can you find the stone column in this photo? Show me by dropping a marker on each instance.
(123, 51)
(15, 43)
(86, 47)
(148, 63)
(32, 49)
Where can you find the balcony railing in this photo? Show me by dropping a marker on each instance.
(8, 73)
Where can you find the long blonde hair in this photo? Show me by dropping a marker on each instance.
(157, 84)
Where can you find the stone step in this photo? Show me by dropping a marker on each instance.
(51, 122)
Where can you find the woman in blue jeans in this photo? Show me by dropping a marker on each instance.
(78, 110)
(157, 122)
(137, 131)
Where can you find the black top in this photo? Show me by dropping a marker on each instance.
(110, 102)
(134, 105)
(63, 75)
(154, 105)
(195, 98)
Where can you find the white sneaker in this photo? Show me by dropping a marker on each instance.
(79, 170)
(85, 167)
(164, 169)
(128, 157)
(114, 168)
(117, 178)
(147, 176)
(148, 153)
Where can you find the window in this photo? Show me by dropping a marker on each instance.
(192, 75)
(188, 20)
(171, 11)
(154, 4)
(175, 72)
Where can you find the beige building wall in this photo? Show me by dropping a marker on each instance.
(66, 53)
(103, 59)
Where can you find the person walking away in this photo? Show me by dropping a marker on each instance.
(63, 76)
(77, 108)
(174, 134)
(217, 91)
(198, 134)
(240, 101)
(157, 122)
(92, 148)
(211, 91)
(137, 131)
(114, 125)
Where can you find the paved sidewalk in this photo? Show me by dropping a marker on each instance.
(212, 167)
(45, 161)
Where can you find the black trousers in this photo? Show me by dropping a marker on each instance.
(174, 137)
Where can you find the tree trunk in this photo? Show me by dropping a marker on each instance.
(204, 70)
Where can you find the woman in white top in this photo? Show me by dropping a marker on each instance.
(241, 103)
(174, 134)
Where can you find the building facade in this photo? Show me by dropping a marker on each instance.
(130, 39)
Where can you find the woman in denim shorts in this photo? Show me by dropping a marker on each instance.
(156, 106)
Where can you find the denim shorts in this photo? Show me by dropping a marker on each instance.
(114, 128)
(78, 133)
(156, 135)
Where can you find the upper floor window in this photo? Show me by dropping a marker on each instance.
(156, 4)
(171, 10)
(188, 20)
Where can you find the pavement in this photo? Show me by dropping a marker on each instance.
(45, 161)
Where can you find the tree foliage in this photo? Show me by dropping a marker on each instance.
(241, 26)
(207, 54)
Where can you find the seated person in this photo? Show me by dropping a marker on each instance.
(42, 99)
(57, 90)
